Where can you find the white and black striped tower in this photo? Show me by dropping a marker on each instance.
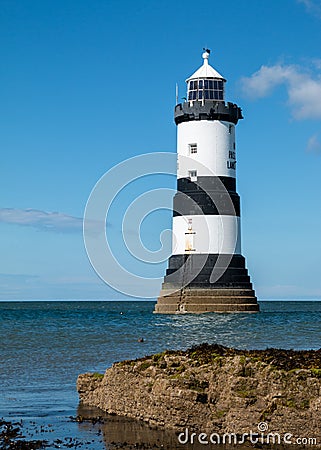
(206, 272)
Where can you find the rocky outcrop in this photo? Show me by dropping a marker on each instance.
(216, 389)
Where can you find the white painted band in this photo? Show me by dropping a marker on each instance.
(206, 234)
(215, 148)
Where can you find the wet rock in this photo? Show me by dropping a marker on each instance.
(211, 387)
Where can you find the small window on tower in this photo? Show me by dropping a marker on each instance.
(192, 148)
(192, 174)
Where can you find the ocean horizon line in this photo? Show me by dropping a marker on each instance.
(143, 300)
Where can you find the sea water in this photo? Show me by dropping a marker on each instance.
(46, 345)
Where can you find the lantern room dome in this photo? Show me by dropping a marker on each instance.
(206, 83)
(206, 71)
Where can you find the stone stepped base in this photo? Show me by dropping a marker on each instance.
(206, 300)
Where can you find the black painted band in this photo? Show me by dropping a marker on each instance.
(234, 261)
(235, 276)
(207, 184)
(212, 203)
(210, 110)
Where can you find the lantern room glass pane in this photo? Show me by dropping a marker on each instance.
(208, 89)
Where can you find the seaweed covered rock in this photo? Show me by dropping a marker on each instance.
(215, 388)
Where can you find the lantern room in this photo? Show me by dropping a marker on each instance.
(206, 83)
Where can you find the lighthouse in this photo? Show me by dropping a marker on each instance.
(206, 271)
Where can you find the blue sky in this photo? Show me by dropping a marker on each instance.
(86, 85)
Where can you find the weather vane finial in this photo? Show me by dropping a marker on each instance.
(206, 55)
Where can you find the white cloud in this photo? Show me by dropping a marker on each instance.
(314, 145)
(317, 63)
(262, 82)
(304, 90)
(305, 99)
(312, 6)
(47, 221)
